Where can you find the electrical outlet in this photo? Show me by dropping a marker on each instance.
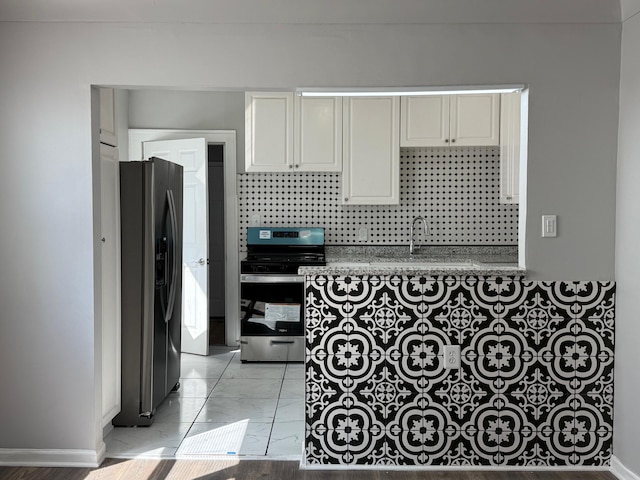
(255, 220)
(363, 235)
(452, 357)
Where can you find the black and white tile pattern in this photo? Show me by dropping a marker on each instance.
(455, 189)
(535, 387)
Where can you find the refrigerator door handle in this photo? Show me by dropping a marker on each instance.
(173, 220)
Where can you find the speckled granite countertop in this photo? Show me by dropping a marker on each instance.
(429, 260)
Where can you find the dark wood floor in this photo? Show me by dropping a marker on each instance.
(264, 470)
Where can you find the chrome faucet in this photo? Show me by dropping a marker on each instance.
(412, 246)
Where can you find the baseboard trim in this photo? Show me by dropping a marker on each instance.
(26, 457)
(461, 468)
(620, 471)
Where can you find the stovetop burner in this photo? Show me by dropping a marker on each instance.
(282, 250)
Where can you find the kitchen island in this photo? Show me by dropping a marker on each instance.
(528, 381)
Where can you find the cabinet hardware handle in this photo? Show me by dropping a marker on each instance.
(446, 140)
(290, 166)
(346, 199)
(453, 140)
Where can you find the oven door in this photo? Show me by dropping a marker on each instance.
(272, 317)
(271, 304)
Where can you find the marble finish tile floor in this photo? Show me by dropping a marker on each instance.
(224, 408)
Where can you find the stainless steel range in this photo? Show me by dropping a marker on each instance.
(272, 292)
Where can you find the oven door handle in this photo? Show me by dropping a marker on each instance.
(244, 278)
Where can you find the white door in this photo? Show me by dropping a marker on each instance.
(191, 153)
(110, 208)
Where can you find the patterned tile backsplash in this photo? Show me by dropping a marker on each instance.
(535, 387)
(455, 189)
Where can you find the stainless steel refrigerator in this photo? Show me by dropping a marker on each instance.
(151, 246)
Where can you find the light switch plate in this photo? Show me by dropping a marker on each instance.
(363, 235)
(549, 226)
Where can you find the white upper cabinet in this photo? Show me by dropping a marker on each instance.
(284, 133)
(510, 148)
(450, 120)
(108, 132)
(475, 119)
(318, 134)
(371, 158)
(424, 121)
(268, 131)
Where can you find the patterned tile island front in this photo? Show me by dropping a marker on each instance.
(534, 388)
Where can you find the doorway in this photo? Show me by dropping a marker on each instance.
(215, 173)
(223, 142)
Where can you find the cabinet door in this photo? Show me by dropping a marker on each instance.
(475, 119)
(110, 262)
(371, 160)
(424, 121)
(107, 117)
(510, 148)
(318, 134)
(268, 132)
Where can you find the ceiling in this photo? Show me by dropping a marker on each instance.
(319, 11)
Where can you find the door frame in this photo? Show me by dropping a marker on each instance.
(227, 138)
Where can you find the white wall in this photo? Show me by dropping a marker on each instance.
(629, 8)
(549, 176)
(189, 111)
(46, 275)
(312, 11)
(627, 373)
